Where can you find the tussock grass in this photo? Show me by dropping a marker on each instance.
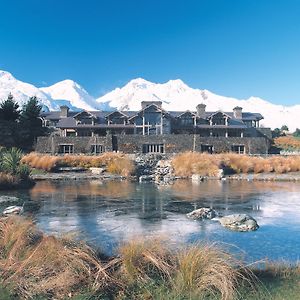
(114, 162)
(206, 270)
(143, 260)
(189, 163)
(7, 180)
(36, 264)
(287, 142)
(33, 264)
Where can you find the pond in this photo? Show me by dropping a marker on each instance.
(106, 213)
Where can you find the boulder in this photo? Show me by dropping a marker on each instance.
(202, 213)
(97, 171)
(13, 210)
(197, 177)
(239, 222)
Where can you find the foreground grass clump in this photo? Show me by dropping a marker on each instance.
(114, 162)
(33, 265)
(189, 163)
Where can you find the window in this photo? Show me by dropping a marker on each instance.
(66, 149)
(153, 148)
(96, 149)
(187, 121)
(240, 149)
(207, 148)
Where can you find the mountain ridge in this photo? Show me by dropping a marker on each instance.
(174, 94)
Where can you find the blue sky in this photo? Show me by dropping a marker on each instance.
(234, 48)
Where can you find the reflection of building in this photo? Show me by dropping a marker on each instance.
(155, 130)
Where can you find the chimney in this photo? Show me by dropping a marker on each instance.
(237, 112)
(64, 110)
(201, 110)
(147, 103)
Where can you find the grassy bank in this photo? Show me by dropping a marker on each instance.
(33, 265)
(113, 162)
(189, 163)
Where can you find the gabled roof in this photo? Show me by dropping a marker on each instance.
(219, 112)
(186, 112)
(116, 111)
(86, 112)
(149, 106)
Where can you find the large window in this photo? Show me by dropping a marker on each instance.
(207, 148)
(240, 149)
(66, 149)
(153, 148)
(97, 149)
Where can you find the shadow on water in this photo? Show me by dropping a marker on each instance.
(106, 213)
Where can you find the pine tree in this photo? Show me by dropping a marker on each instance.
(9, 115)
(9, 109)
(30, 123)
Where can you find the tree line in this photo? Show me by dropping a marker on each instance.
(19, 127)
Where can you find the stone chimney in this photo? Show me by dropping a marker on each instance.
(147, 103)
(64, 111)
(237, 112)
(201, 110)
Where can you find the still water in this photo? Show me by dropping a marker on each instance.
(110, 212)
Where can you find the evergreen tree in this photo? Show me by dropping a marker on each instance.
(30, 125)
(9, 109)
(9, 115)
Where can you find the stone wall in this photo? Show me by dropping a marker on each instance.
(173, 143)
(81, 144)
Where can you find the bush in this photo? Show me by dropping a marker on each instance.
(115, 163)
(189, 163)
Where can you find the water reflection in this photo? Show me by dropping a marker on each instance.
(108, 212)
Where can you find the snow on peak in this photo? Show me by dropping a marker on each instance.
(4, 75)
(71, 91)
(175, 95)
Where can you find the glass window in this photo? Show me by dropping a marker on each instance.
(153, 148)
(66, 149)
(96, 149)
(240, 149)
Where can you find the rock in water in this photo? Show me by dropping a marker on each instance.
(202, 213)
(13, 210)
(239, 222)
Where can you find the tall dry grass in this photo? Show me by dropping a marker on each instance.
(33, 264)
(36, 264)
(287, 142)
(114, 162)
(206, 270)
(189, 163)
(7, 180)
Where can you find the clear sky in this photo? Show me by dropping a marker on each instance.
(234, 48)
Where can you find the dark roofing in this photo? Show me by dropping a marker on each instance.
(55, 115)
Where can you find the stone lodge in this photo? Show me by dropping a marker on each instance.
(154, 130)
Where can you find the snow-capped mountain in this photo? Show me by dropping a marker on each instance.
(176, 95)
(65, 92)
(21, 90)
(72, 92)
